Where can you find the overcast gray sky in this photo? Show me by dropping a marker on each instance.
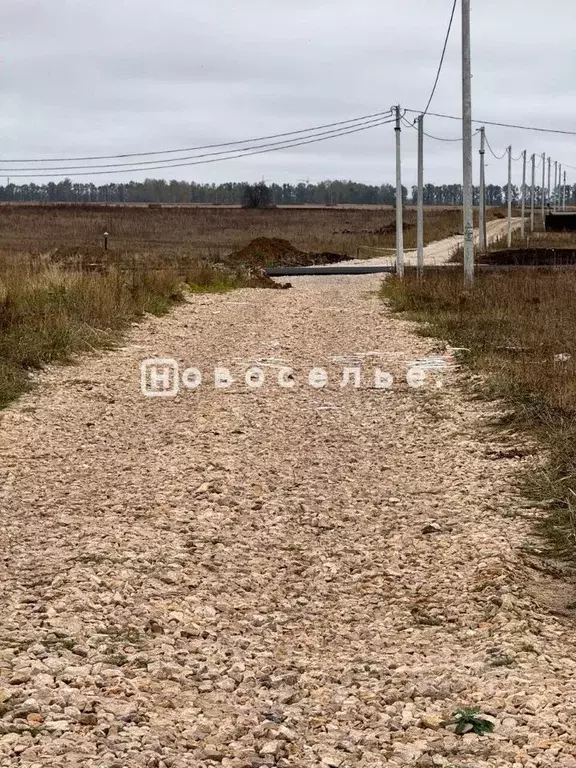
(84, 77)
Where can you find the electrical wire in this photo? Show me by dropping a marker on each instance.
(442, 57)
(498, 125)
(300, 143)
(204, 146)
(515, 159)
(498, 157)
(134, 165)
(349, 123)
(436, 138)
(429, 135)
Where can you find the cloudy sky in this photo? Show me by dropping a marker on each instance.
(80, 77)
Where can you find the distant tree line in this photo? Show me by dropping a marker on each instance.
(451, 194)
(235, 193)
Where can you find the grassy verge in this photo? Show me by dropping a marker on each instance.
(519, 328)
(49, 312)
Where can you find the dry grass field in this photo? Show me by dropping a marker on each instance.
(517, 329)
(209, 231)
(61, 293)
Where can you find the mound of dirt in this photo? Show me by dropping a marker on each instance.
(274, 252)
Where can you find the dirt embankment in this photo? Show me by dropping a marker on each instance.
(265, 252)
(532, 257)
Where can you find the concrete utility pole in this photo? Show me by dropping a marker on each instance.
(549, 180)
(399, 201)
(523, 213)
(555, 184)
(482, 212)
(533, 193)
(543, 194)
(559, 186)
(467, 189)
(510, 197)
(564, 193)
(420, 221)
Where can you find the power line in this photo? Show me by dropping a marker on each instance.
(430, 136)
(204, 146)
(498, 157)
(134, 165)
(270, 148)
(441, 58)
(498, 125)
(516, 159)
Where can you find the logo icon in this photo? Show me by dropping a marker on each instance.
(159, 377)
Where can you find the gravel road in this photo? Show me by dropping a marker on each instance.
(276, 576)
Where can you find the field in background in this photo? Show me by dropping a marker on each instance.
(520, 328)
(209, 232)
(61, 293)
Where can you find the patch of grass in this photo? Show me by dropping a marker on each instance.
(216, 288)
(469, 720)
(519, 329)
(49, 313)
(116, 658)
(502, 661)
(208, 278)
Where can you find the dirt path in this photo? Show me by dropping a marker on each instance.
(254, 577)
(440, 251)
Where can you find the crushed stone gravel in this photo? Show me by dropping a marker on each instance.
(271, 576)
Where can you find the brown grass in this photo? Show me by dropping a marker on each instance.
(520, 328)
(48, 314)
(537, 239)
(61, 293)
(57, 305)
(209, 232)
